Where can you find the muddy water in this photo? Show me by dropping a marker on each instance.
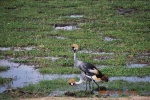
(23, 75)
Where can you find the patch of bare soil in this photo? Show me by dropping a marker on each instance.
(72, 98)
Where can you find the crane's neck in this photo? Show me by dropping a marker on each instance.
(79, 81)
(76, 61)
(75, 57)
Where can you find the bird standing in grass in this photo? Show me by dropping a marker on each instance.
(83, 78)
(90, 71)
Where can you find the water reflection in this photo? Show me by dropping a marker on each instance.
(95, 52)
(136, 65)
(66, 28)
(17, 48)
(23, 75)
(131, 78)
(76, 16)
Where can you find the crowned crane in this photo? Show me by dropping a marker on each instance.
(90, 70)
(83, 78)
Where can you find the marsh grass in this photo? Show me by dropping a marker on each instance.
(124, 71)
(139, 87)
(41, 89)
(63, 70)
(109, 71)
(31, 23)
(5, 80)
(4, 68)
(45, 87)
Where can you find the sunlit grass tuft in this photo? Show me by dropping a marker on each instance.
(4, 68)
(5, 80)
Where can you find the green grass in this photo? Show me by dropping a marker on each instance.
(109, 71)
(64, 70)
(45, 87)
(139, 87)
(31, 23)
(41, 89)
(3, 68)
(123, 71)
(5, 80)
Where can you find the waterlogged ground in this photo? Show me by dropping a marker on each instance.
(36, 59)
(24, 75)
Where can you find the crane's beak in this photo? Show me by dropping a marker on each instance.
(105, 78)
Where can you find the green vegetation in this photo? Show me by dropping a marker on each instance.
(109, 71)
(3, 68)
(139, 87)
(124, 71)
(43, 88)
(5, 80)
(26, 23)
(63, 70)
(30, 23)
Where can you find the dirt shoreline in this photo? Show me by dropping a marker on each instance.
(72, 98)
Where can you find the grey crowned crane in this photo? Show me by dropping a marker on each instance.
(83, 78)
(90, 70)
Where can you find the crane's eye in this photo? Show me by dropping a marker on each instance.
(73, 48)
(71, 84)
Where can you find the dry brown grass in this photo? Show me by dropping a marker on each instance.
(72, 98)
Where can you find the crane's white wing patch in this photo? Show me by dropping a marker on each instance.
(95, 71)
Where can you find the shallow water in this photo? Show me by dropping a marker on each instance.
(51, 58)
(94, 52)
(136, 65)
(108, 39)
(23, 75)
(60, 37)
(69, 28)
(16, 48)
(5, 48)
(131, 78)
(76, 16)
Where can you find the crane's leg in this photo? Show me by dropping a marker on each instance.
(89, 85)
(92, 85)
(97, 85)
(85, 80)
(86, 85)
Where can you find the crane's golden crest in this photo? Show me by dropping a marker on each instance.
(71, 80)
(75, 46)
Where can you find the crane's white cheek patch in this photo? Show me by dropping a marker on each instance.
(72, 84)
